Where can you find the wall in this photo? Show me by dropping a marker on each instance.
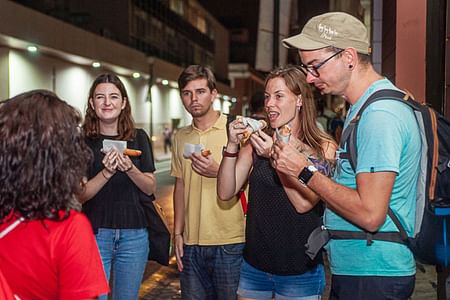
(410, 46)
(4, 73)
(71, 82)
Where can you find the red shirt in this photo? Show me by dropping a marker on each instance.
(5, 291)
(53, 260)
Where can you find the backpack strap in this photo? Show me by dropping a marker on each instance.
(349, 136)
(348, 142)
(387, 236)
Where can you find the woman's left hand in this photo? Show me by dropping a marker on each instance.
(124, 163)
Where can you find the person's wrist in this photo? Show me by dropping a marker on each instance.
(232, 147)
(306, 174)
(107, 177)
(230, 153)
(129, 169)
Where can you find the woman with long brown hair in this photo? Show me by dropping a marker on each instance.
(119, 186)
(282, 211)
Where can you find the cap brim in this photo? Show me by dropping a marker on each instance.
(303, 42)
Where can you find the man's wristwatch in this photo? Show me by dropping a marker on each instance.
(306, 174)
(229, 154)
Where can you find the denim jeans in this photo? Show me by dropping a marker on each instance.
(125, 251)
(257, 284)
(371, 287)
(211, 272)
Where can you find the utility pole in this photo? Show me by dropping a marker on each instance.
(276, 33)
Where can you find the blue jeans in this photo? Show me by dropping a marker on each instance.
(211, 272)
(126, 251)
(257, 284)
(371, 287)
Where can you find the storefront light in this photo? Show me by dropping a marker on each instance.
(96, 64)
(136, 75)
(32, 48)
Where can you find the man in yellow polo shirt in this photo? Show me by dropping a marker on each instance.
(208, 232)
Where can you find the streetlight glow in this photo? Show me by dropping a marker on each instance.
(32, 48)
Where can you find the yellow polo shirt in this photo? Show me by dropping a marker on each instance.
(208, 220)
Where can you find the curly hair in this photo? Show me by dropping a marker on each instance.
(295, 80)
(91, 125)
(43, 157)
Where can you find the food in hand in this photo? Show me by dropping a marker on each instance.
(284, 133)
(206, 152)
(252, 126)
(132, 152)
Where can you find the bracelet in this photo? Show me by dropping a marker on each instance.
(107, 178)
(131, 167)
(225, 153)
(175, 234)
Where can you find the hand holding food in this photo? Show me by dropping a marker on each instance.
(252, 126)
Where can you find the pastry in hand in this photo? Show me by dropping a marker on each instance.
(206, 152)
(252, 126)
(284, 133)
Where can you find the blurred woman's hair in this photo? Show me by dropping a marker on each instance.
(43, 156)
(295, 81)
(125, 126)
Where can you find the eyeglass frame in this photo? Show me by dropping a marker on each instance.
(314, 69)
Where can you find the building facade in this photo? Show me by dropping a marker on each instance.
(62, 45)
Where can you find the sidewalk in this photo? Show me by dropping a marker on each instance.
(162, 284)
(161, 156)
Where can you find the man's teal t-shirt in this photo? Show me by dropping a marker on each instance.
(388, 140)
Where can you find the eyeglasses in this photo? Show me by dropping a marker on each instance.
(314, 69)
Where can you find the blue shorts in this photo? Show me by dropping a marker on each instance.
(256, 284)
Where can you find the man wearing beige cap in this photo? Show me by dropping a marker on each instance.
(335, 54)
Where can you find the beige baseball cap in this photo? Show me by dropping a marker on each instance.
(336, 29)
